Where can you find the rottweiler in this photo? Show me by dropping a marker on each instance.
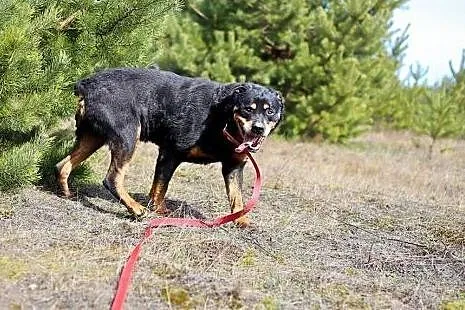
(184, 116)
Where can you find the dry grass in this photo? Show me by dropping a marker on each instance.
(373, 224)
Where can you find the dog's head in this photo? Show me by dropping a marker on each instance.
(254, 111)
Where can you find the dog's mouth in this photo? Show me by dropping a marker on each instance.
(253, 142)
(250, 140)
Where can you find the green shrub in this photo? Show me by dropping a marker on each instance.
(45, 46)
(20, 165)
(437, 115)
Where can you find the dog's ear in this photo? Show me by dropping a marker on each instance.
(228, 91)
(281, 103)
(280, 98)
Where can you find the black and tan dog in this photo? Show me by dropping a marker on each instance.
(184, 116)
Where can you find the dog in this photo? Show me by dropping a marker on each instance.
(184, 116)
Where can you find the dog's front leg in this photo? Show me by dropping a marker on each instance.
(233, 176)
(164, 170)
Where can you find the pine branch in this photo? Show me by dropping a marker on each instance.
(113, 25)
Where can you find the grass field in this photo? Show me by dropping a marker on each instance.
(374, 224)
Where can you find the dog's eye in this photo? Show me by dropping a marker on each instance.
(270, 111)
(249, 109)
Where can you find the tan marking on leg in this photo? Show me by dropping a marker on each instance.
(115, 178)
(157, 196)
(64, 168)
(235, 201)
(85, 147)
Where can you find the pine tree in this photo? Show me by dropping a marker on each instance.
(45, 46)
(328, 58)
(436, 111)
(436, 115)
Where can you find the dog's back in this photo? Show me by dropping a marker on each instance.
(152, 99)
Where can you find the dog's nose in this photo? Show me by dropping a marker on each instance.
(258, 128)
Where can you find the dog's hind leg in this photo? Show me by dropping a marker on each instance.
(164, 170)
(85, 146)
(114, 180)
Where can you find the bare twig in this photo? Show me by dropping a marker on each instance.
(197, 11)
(378, 235)
(65, 24)
(255, 242)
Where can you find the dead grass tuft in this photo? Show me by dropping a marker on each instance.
(6, 212)
(449, 231)
(177, 296)
(339, 295)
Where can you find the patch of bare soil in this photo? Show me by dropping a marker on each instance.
(373, 224)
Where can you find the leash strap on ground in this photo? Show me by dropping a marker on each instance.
(126, 273)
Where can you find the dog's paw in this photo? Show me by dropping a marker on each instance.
(243, 222)
(159, 209)
(139, 213)
(137, 210)
(162, 210)
(66, 194)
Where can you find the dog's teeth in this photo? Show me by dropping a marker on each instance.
(257, 141)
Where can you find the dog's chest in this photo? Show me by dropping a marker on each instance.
(198, 154)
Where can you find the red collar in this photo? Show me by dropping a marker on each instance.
(240, 148)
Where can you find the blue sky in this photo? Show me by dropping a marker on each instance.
(437, 34)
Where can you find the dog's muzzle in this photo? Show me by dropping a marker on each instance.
(253, 142)
(253, 139)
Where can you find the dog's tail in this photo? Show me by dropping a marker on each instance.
(80, 89)
(81, 92)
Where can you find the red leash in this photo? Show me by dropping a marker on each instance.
(128, 268)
